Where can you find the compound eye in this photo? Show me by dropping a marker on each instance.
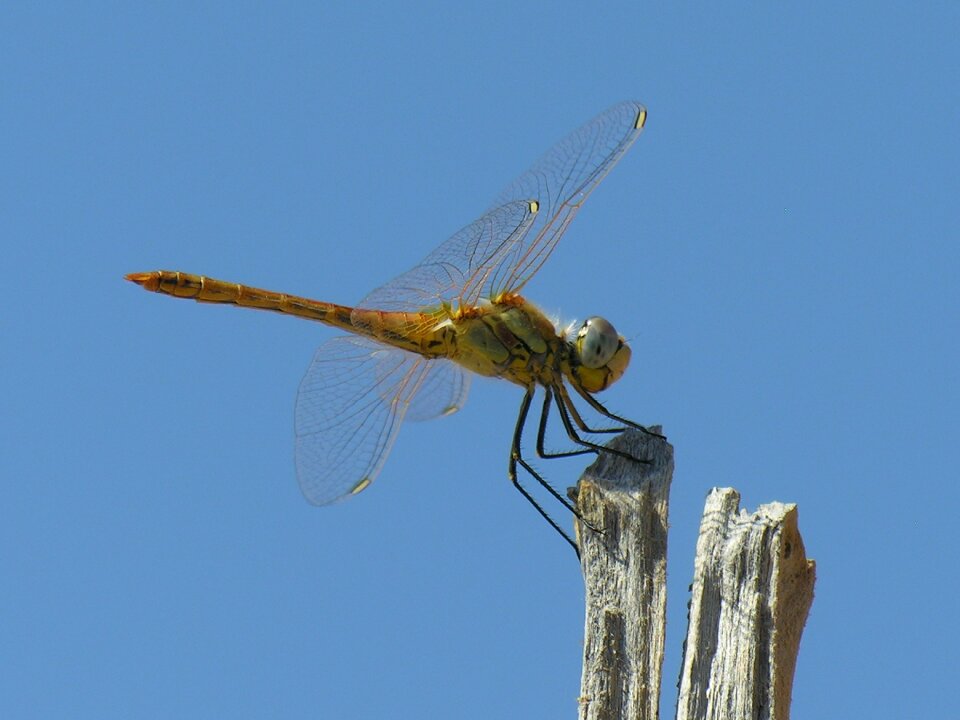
(597, 342)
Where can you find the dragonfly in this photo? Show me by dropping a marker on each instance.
(414, 342)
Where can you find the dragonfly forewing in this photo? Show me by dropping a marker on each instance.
(459, 270)
(560, 181)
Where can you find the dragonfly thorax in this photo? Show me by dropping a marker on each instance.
(510, 339)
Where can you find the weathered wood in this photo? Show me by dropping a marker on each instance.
(624, 567)
(752, 589)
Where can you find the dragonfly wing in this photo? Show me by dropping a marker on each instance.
(350, 406)
(561, 180)
(455, 271)
(501, 250)
(443, 390)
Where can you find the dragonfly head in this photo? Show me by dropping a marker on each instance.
(600, 355)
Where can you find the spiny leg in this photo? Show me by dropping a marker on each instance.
(563, 397)
(541, 451)
(517, 457)
(566, 408)
(598, 406)
(529, 468)
(542, 431)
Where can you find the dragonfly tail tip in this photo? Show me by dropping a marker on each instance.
(148, 280)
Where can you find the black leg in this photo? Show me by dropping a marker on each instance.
(544, 414)
(563, 397)
(517, 457)
(596, 405)
(565, 406)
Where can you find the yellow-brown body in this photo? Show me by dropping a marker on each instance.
(508, 337)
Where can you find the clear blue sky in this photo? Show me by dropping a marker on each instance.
(781, 245)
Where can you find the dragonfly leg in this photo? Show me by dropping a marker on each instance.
(566, 407)
(598, 406)
(563, 397)
(516, 458)
(542, 431)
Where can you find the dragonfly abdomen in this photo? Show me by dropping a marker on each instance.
(206, 289)
(421, 333)
(425, 333)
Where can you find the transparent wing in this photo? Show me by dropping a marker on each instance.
(561, 180)
(351, 404)
(442, 391)
(500, 251)
(458, 270)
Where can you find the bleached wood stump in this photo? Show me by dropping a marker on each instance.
(752, 589)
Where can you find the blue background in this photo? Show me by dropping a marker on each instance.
(780, 246)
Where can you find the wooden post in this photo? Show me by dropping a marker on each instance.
(752, 589)
(625, 571)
